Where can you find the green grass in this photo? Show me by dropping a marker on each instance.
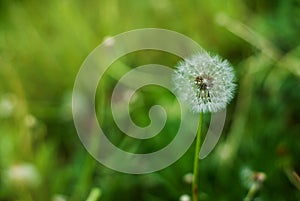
(42, 46)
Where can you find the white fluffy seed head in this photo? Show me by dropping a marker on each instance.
(204, 82)
(184, 197)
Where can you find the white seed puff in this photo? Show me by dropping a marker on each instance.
(204, 82)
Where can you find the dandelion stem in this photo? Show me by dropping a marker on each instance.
(251, 193)
(94, 195)
(196, 160)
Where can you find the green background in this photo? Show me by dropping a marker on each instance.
(42, 46)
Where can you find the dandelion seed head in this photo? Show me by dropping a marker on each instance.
(184, 197)
(188, 178)
(204, 82)
(23, 174)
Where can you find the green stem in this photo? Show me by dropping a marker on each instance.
(196, 160)
(94, 195)
(251, 193)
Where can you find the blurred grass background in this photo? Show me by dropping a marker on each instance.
(42, 46)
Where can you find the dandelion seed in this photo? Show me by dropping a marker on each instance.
(204, 82)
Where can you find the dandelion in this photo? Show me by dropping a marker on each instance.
(59, 197)
(184, 197)
(8, 104)
(108, 41)
(24, 174)
(206, 84)
(188, 178)
(253, 181)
